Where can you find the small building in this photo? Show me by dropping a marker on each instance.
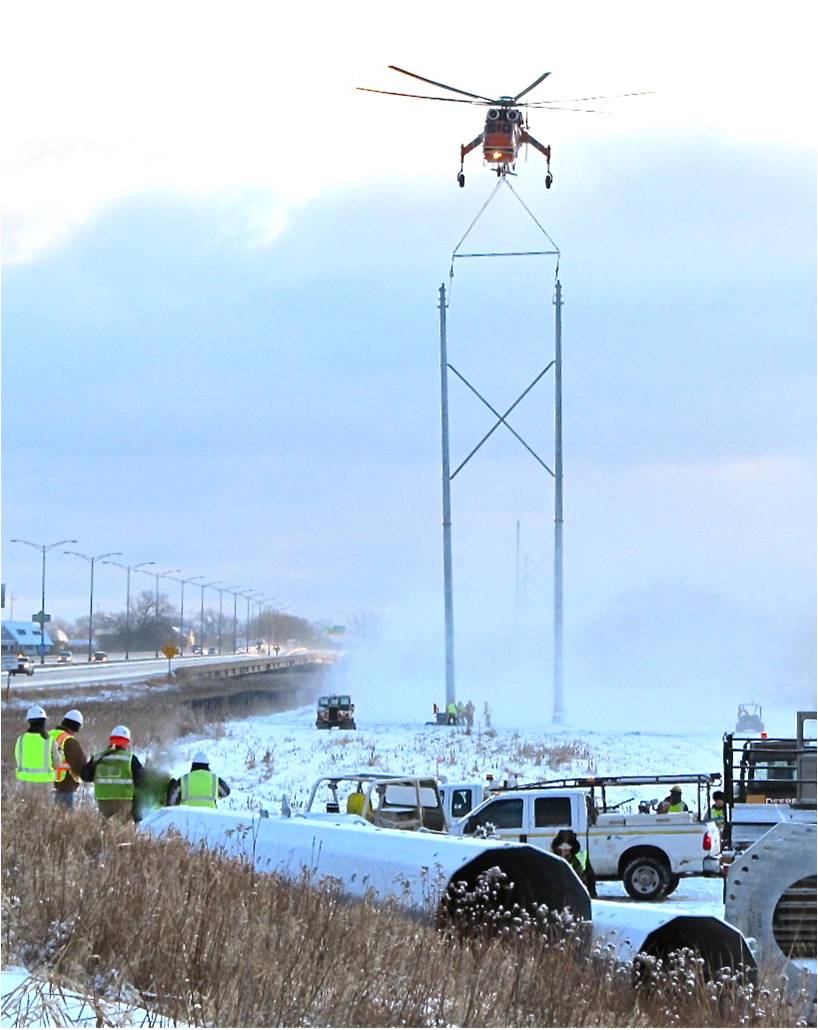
(24, 638)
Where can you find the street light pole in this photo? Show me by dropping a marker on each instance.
(93, 558)
(222, 592)
(43, 548)
(235, 617)
(214, 583)
(190, 579)
(128, 569)
(157, 576)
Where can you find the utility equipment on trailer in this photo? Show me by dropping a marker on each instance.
(335, 710)
(649, 851)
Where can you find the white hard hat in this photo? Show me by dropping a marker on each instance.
(75, 715)
(121, 731)
(35, 712)
(200, 758)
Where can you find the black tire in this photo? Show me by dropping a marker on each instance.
(673, 883)
(461, 180)
(646, 878)
(548, 180)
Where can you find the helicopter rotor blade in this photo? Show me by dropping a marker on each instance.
(441, 85)
(582, 100)
(423, 96)
(553, 107)
(528, 89)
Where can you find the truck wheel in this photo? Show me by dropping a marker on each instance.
(673, 883)
(646, 878)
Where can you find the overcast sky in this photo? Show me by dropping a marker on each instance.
(220, 346)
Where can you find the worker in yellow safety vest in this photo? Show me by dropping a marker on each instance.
(673, 802)
(451, 712)
(33, 753)
(199, 788)
(70, 758)
(717, 811)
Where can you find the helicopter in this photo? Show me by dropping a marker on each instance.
(506, 128)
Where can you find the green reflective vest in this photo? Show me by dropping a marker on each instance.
(113, 779)
(680, 807)
(451, 708)
(582, 858)
(200, 788)
(716, 815)
(35, 763)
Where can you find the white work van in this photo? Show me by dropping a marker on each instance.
(648, 851)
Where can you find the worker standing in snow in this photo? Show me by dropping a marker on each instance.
(566, 844)
(673, 802)
(451, 711)
(70, 758)
(115, 773)
(33, 753)
(461, 713)
(200, 787)
(468, 711)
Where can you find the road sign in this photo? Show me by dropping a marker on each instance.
(170, 651)
(41, 617)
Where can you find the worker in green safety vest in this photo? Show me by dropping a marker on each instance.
(199, 788)
(115, 773)
(451, 712)
(717, 811)
(673, 802)
(566, 844)
(34, 754)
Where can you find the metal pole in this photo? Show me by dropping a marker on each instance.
(42, 619)
(127, 611)
(182, 620)
(156, 609)
(91, 615)
(559, 709)
(517, 587)
(448, 599)
(235, 620)
(221, 599)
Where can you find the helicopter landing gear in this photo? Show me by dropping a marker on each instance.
(548, 180)
(461, 180)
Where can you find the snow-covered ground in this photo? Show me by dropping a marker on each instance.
(268, 757)
(29, 1001)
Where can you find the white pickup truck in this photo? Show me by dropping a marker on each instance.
(647, 850)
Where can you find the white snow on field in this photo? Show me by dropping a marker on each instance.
(267, 757)
(28, 1001)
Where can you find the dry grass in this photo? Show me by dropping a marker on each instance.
(207, 940)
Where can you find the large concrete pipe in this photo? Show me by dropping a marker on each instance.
(771, 897)
(418, 870)
(658, 931)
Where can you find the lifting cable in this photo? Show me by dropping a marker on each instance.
(521, 253)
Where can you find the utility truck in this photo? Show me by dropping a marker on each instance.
(648, 850)
(768, 780)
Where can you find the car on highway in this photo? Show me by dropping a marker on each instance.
(64, 657)
(23, 664)
(99, 656)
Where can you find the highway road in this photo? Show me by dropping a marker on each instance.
(117, 670)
